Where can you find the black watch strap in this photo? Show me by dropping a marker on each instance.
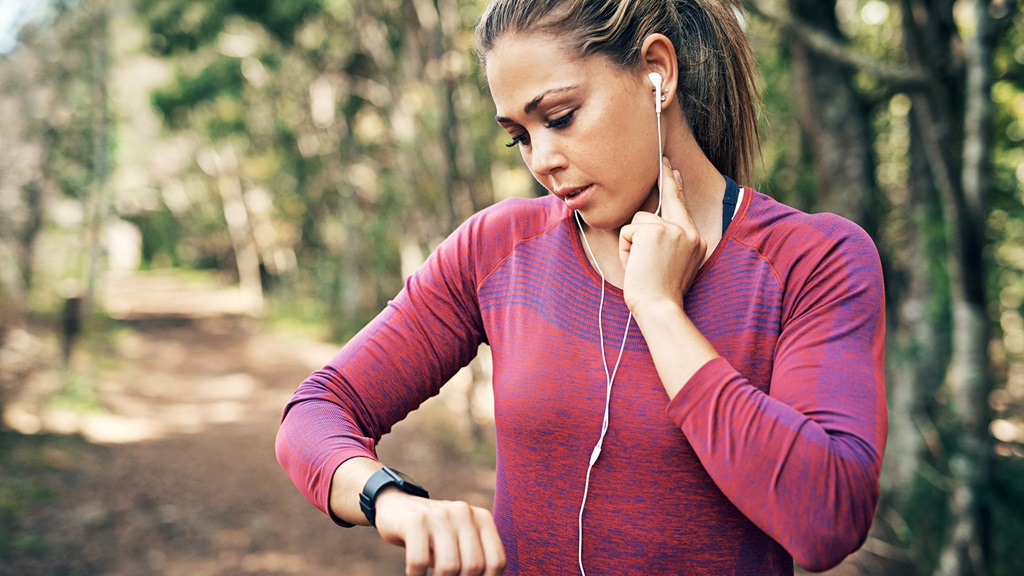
(380, 480)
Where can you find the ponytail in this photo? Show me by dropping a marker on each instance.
(718, 90)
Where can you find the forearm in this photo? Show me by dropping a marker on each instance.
(346, 484)
(310, 459)
(810, 485)
(678, 349)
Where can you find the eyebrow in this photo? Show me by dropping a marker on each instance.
(532, 104)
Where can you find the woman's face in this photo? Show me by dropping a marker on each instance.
(587, 129)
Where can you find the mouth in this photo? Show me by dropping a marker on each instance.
(569, 193)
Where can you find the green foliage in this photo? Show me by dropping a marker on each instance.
(20, 460)
(77, 393)
(335, 108)
(787, 171)
(1007, 505)
(182, 26)
(161, 234)
(221, 81)
(925, 517)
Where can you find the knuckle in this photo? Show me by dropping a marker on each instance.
(473, 567)
(416, 565)
(498, 566)
(482, 514)
(459, 511)
(418, 519)
(447, 569)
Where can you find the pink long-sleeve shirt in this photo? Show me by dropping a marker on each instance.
(770, 453)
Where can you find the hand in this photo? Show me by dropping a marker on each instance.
(661, 255)
(453, 538)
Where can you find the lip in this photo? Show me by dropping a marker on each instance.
(580, 195)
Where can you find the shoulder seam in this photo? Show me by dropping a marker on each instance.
(736, 237)
(512, 251)
(771, 265)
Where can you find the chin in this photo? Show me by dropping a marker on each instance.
(606, 222)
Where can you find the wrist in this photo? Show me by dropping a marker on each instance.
(383, 482)
(389, 501)
(652, 310)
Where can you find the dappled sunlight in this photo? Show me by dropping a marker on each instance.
(177, 366)
(157, 444)
(162, 295)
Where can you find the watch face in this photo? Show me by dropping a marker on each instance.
(405, 483)
(400, 476)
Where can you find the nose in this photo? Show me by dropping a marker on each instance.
(545, 156)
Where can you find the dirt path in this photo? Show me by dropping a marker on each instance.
(177, 474)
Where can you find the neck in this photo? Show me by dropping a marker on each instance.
(703, 191)
(703, 185)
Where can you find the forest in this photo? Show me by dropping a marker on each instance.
(311, 154)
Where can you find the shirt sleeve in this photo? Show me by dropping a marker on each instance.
(403, 357)
(803, 461)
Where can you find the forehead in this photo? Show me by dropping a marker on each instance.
(522, 66)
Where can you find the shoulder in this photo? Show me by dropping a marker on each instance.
(789, 237)
(811, 253)
(493, 233)
(502, 225)
(518, 217)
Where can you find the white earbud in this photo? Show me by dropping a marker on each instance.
(656, 80)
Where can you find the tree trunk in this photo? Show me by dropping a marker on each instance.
(914, 335)
(965, 551)
(224, 169)
(834, 119)
(953, 113)
(97, 209)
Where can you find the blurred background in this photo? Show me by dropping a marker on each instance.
(200, 200)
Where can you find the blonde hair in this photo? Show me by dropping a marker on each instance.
(718, 74)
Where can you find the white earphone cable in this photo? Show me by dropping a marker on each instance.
(610, 376)
(609, 379)
(661, 174)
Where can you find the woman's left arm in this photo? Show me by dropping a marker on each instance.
(803, 461)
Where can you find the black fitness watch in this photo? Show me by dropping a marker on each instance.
(380, 480)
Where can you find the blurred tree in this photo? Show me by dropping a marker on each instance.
(366, 122)
(946, 78)
(56, 147)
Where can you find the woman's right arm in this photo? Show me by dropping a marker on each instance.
(328, 437)
(330, 428)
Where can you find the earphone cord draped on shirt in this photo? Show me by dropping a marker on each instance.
(729, 209)
(609, 379)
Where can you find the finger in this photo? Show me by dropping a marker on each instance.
(626, 241)
(673, 207)
(445, 548)
(471, 554)
(490, 541)
(417, 552)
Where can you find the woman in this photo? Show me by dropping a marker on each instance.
(688, 376)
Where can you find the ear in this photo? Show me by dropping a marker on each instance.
(659, 55)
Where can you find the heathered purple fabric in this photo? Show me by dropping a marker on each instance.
(770, 453)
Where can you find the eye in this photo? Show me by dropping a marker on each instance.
(558, 123)
(523, 139)
(563, 121)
